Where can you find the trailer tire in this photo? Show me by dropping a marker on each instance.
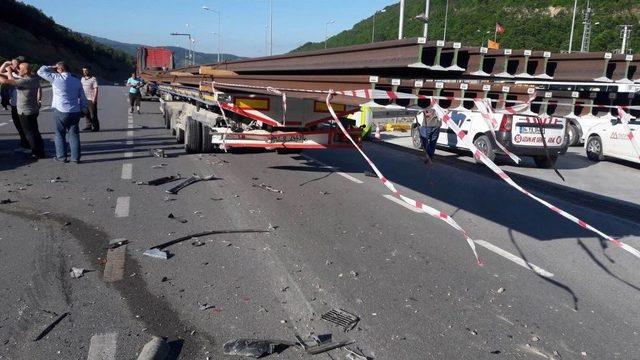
(192, 136)
(207, 146)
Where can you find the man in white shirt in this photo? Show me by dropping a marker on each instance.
(90, 87)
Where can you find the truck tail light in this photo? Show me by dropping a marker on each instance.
(505, 124)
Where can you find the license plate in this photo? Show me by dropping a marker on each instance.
(528, 130)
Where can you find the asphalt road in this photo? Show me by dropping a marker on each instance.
(331, 239)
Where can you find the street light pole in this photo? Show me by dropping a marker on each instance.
(206, 8)
(270, 27)
(425, 31)
(573, 24)
(401, 22)
(373, 29)
(326, 27)
(189, 36)
(446, 18)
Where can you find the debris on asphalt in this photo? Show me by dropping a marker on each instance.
(268, 188)
(197, 243)
(50, 327)
(76, 272)
(44, 213)
(109, 189)
(7, 201)
(160, 180)
(205, 306)
(57, 179)
(501, 290)
(535, 338)
(181, 220)
(157, 153)
(342, 318)
(370, 174)
(355, 355)
(322, 346)
(46, 197)
(159, 166)
(217, 199)
(164, 279)
(116, 243)
(255, 348)
(157, 348)
(272, 227)
(156, 253)
(192, 180)
(167, 199)
(158, 250)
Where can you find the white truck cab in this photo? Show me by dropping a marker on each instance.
(610, 139)
(520, 134)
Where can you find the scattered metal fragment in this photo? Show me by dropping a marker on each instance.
(255, 348)
(158, 153)
(7, 201)
(44, 213)
(322, 346)
(501, 290)
(46, 197)
(268, 188)
(342, 318)
(48, 329)
(159, 166)
(156, 349)
(109, 189)
(167, 199)
(181, 220)
(205, 306)
(197, 243)
(157, 251)
(355, 355)
(57, 179)
(192, 180)
(217, 199)
(160, 180)
(76, 272)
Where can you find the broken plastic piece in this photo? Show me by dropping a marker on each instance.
(268, 188)
(157, 251)
(161, 180)
(182, 220)
(353, 355)
(76, 272)
(324, 346)
(254, 348)
(156, 348)
(341, 318)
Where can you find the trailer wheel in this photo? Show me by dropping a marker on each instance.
(193, 136)
(207, 146)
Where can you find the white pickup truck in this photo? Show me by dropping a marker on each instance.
(519, 134)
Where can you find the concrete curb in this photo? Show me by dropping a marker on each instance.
(623, 209)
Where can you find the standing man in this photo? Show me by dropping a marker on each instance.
(68, 103)
(429, 132)
(11, 92)
(90, 87)
(28, 101)
(134, 84)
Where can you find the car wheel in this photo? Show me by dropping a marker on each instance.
(572, 131)
(545, 162)
(483, 143)
(594, 148)
(415, 137)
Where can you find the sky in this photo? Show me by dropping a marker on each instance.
(243, 22)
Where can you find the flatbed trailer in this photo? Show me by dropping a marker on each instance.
(207, 121)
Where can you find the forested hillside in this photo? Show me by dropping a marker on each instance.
(26, 31)
(530, 24)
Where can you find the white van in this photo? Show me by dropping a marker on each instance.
(610, 139)
(520, 134)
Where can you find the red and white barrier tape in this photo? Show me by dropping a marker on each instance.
(417, 204)
(446, 118)
(487, 114)
(624, 119)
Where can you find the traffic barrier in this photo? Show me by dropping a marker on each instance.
(417, 204)
(446, 118)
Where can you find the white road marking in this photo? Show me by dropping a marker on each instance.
(509, 256)
(122, 206)
(128, 154)
(349, 177)
(127, 171)
(103, 347)
(325, 166)
(130, 133)
(402, 203)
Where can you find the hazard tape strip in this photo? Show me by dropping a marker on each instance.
(624, 119)
(446, 118)
(487, 115)
(417, 204)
